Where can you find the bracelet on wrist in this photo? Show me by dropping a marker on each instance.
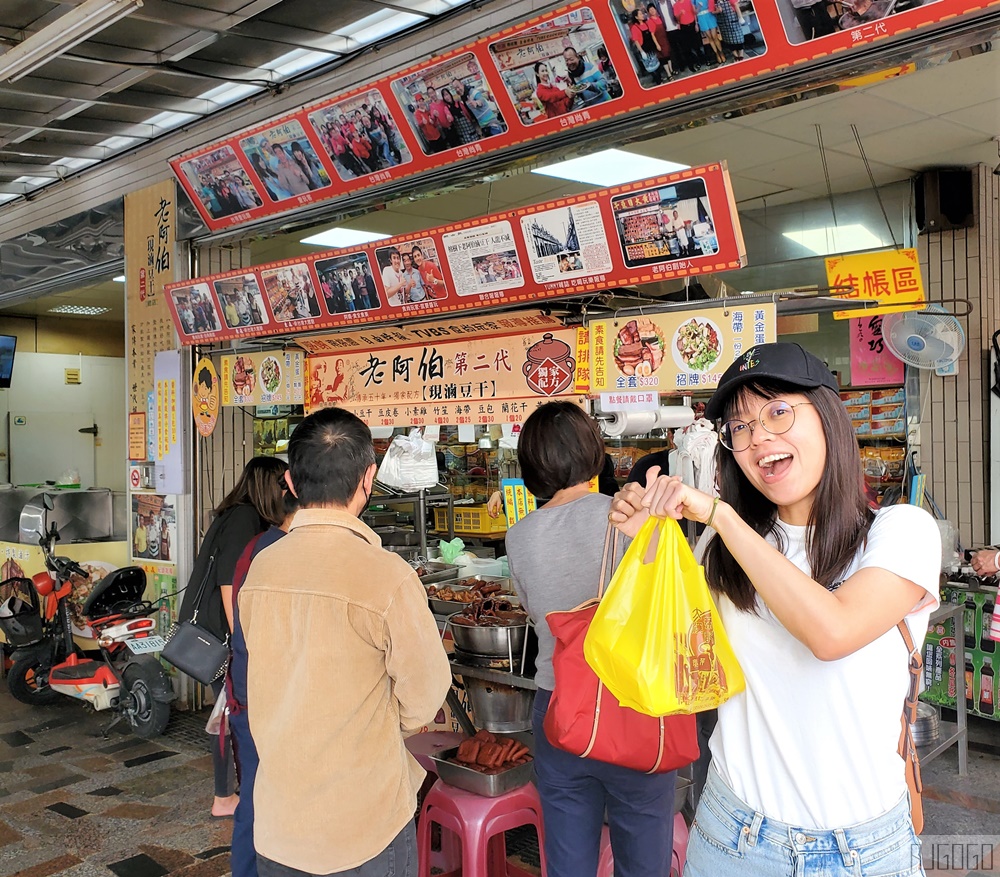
(715, 505)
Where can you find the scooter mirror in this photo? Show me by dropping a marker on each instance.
(48, 502)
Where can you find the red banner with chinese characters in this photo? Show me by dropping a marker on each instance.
(678, 225)
(872, 365)
(571, 68)
(498, 379)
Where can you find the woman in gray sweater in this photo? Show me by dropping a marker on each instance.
(555, 556)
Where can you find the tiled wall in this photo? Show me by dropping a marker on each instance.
(955, 419)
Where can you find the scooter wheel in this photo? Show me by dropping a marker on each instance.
(27, 679)
(147, 716)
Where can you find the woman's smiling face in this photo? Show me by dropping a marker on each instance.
(785, 468)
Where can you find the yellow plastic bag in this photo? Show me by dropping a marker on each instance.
(656, 640)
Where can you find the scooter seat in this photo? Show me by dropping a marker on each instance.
(74, 673)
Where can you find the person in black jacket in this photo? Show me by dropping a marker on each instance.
(254, 504)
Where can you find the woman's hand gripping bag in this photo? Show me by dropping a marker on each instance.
(656, 640)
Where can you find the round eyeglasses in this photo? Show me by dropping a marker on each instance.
(775, 416)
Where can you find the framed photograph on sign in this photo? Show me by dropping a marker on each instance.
(220, 183)
(411, 272)
(291, 292)
(556, 68)
(196, 308)
(449, 105)
(360, 135)
(347, 284)
(242, 303)
(284, 161)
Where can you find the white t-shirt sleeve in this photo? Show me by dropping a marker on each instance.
(905, 540)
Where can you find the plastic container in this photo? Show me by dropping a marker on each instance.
(479, 566)
(504, 567)
(470, 519)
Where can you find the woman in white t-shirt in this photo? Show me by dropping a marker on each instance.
(810, 583)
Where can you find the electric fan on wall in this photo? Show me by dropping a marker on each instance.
(929, 339)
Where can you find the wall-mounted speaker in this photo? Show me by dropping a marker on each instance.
(946, 199)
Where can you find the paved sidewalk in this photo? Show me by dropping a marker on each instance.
(73, 803)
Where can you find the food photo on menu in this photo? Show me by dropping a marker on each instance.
(291, 292)
(242, 303)
(665, 224)
(220, 182)
(195, 309)
(556, 68)
(448, 105)
(671, 40)
(284, 161)
(566, 243)
(484, 258)
(411, 272)
(360, 135)
(346, 283)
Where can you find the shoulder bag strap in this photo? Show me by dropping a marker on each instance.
(609, 562)
(907, 750)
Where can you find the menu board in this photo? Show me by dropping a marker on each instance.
(680, 352)
(678, 225)
(575, 67)
(268, 378)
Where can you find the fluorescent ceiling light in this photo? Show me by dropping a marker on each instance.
(116, 143)
(70, 29)
(227, 94)
(379, 25)
(119, 279)
(168, 119)
(835, 239)
(612, 167)
(79, 310)
(298, 60)
(337, 238)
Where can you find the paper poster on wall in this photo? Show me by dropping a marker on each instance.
(675, 352)
(872, 365)
(154, 527)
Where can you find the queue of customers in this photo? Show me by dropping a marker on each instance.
(809, 580)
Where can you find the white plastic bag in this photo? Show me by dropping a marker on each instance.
(410, 463)
(214, 724)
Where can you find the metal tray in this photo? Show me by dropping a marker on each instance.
(450, 607)
(438, 572)
(447, 607)
(504, 581)
(487, 785)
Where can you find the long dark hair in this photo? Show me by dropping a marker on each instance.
(262, 486)
(840, 514)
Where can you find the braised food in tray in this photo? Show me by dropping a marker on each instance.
(491, 753)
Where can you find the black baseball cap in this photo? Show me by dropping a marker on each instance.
(783, 361)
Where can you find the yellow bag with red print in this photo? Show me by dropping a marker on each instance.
(656, 640)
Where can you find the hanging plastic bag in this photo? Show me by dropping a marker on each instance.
(656, 640)
(410, 463)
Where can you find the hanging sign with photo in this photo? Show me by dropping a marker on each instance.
(678, 225)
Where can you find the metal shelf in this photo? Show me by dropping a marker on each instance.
(419, 501)
(952, 732)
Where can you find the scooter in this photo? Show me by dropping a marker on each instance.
(47, 664)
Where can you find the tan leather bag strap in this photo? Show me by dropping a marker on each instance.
(907, 750)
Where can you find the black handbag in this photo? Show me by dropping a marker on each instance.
(194, 650)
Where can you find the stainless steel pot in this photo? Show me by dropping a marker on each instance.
(499, 708)
(503, 641)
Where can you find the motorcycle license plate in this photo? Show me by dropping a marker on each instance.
(146, 645)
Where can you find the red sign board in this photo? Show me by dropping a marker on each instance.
(687, 225)
(572, 68)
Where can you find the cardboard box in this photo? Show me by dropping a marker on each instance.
(887, 412)
(894, 396)
(858, 412)
(888, 427)
(857, 397)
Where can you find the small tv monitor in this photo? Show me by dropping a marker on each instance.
(7, 345)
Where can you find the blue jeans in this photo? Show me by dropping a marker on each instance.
(399, 859)
(730, 839)
(575, 793)
(244, 855)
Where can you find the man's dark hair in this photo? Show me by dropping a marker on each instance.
(328, 455)
(559, 447)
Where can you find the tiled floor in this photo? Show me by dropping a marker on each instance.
(73, 803)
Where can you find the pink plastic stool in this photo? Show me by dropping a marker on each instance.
(606, 863)
(480, 823)
(423, 746)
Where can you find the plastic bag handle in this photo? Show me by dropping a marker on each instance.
(610, 550)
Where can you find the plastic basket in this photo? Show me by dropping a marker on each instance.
(470, 519)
